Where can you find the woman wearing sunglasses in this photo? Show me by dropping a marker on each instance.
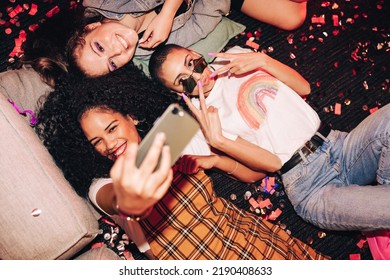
(182, 218)
(254, 118)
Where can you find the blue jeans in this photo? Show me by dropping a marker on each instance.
(345, 183)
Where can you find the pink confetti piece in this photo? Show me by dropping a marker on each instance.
(274, 214)
(265, 203)
(253, 202)
(33, 120)
(335, 19)
(252, 44)
(361, 243)
(33, 27)
(372, 110)
(337, 109)
(15, 11)
(52, 12)
(318, 19)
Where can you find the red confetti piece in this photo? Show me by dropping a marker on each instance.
(354, 256)
(318, 20)
(8, 31)
(253, 202)
(33, 27)
(22, 35)
(15, 11)
(372, 110)
(335, 19)
(337, 109)
(33, 10)
(52, 12)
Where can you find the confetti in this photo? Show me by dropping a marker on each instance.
(337, 109)
(36, 212)
(252, 44)
(354, 256)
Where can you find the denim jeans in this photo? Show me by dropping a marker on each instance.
(345, 183)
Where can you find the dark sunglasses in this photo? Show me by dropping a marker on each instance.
(198, 67)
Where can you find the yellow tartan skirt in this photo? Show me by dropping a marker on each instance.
(192, 223)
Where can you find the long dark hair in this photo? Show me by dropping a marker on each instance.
(127, 91)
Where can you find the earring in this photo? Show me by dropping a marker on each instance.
(136, 122)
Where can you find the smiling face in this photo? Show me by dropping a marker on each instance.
(109, 132)
(179, 66)
(108, 46)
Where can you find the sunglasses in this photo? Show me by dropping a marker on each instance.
(189, 83)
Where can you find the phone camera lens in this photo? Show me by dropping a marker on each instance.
(175, 111)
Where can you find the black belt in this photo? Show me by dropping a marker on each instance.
(309, 148)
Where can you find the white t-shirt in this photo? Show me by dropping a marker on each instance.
(132, 228)
(260, 109)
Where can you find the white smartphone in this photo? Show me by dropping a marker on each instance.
(179, 128)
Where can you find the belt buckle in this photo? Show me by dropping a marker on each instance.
(307, 148)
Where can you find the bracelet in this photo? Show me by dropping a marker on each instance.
(129, 217)
(235, 168)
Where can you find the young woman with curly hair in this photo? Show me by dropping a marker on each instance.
(93, 128)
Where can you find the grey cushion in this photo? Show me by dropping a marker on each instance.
(42, 217)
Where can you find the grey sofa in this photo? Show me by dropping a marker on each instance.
(41, 216)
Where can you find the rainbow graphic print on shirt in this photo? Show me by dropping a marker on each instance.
(251, 95)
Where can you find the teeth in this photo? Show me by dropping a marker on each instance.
(120, 151)
(122, 41)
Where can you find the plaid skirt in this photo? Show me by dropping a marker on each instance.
(192, 223)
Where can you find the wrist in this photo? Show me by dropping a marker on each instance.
(233, 169)
(129, 216)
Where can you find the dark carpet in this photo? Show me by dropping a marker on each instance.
(342, 49)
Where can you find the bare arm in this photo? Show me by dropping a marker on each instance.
(205, 17)
(285, 14)
(191, 164)
(241, 63)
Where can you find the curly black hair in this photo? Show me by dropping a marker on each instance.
(127, 91)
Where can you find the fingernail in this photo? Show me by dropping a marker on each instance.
(160, 135)
(213, 74)
(211, 54)
(200, 86)
(184, 96)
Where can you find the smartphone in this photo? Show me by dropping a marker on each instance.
(179, 128)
